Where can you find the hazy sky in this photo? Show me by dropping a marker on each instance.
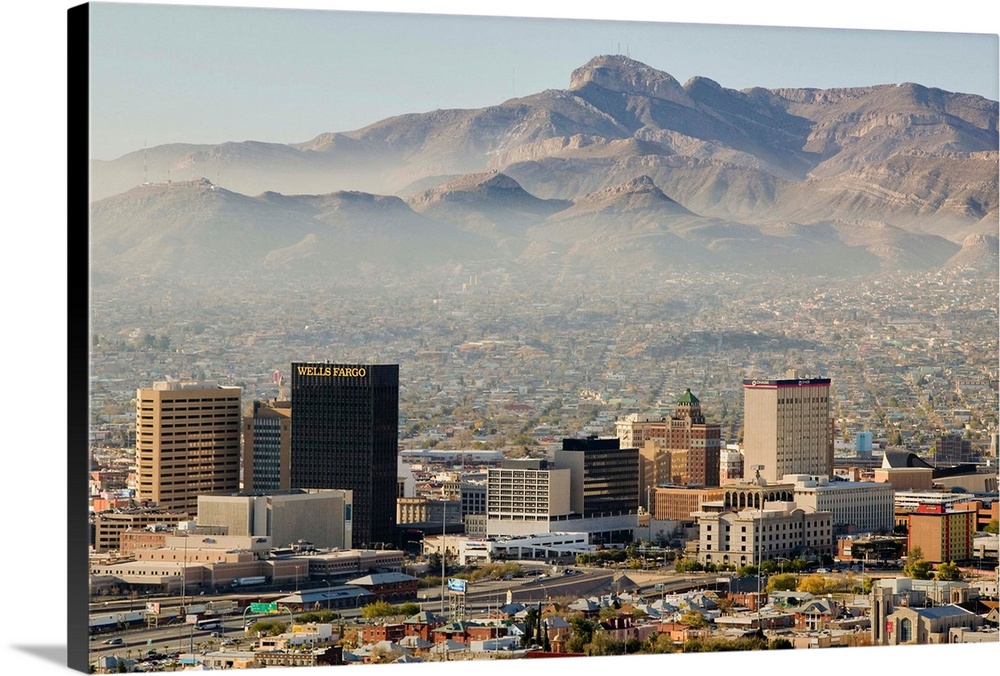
(165, 74)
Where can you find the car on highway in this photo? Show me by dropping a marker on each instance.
(117, 640)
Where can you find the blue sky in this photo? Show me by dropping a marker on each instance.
(165, 74)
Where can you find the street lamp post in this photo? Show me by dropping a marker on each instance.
(182, 612)
(649, 513)
(184, 576)
(444, 553)
(758, 524)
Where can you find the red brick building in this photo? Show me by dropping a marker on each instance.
(389, 587)
(422, 625)
(382, 632)
(942, 534)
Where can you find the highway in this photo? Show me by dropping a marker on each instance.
(482, 596)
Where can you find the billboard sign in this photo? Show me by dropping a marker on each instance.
(457, 585)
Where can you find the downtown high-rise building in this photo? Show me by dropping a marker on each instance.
(267, 446)
(344, 435)
(604, 476)
(686, 430)
(187, 441)
(787, 428)
(679, 449)
(590, 486)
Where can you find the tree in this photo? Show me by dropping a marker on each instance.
(688, 565)
(948, 571)
(782, 582)
(386, 609)
(918, 569)
(693, 619)
(268, 628)
(318, 616)
(540, 627)
(780, 643)
(916, 566)
(606, 613)
(530, 618)
(993, 527)
(602, 644)
(582, 633)
(816, 585)
(865, 587)
(659, 643)
(799, 565)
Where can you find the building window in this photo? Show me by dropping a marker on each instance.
(905, 630)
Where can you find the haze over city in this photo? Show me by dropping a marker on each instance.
(515, 357)
(580, 338)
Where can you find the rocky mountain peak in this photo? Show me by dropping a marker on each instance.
(483, 180)
(636, 194)
(483, 183)
(640, 185)
(978, 240)
(979, 251)
(621, 74)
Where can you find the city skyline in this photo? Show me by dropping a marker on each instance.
(41, 45)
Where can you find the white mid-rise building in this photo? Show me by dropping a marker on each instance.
(856, 506)
(908, 501)
(778, 530)
(528, 497)
(523, 497)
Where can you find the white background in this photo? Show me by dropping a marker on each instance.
(34, 226)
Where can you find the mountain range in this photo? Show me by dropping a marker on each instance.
(625, 167)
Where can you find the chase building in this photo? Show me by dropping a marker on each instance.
(344, 435)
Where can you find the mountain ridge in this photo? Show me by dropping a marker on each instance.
(198, 228)
(625, 157)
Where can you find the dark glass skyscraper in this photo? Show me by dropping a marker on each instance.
(345, 435)
(608, 475)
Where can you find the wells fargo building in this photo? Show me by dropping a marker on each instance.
(345, 435)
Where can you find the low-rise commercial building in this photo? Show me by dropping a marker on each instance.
(320, 517)
(109, 526)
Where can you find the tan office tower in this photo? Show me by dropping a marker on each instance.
(787, 428)
(187, 442)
